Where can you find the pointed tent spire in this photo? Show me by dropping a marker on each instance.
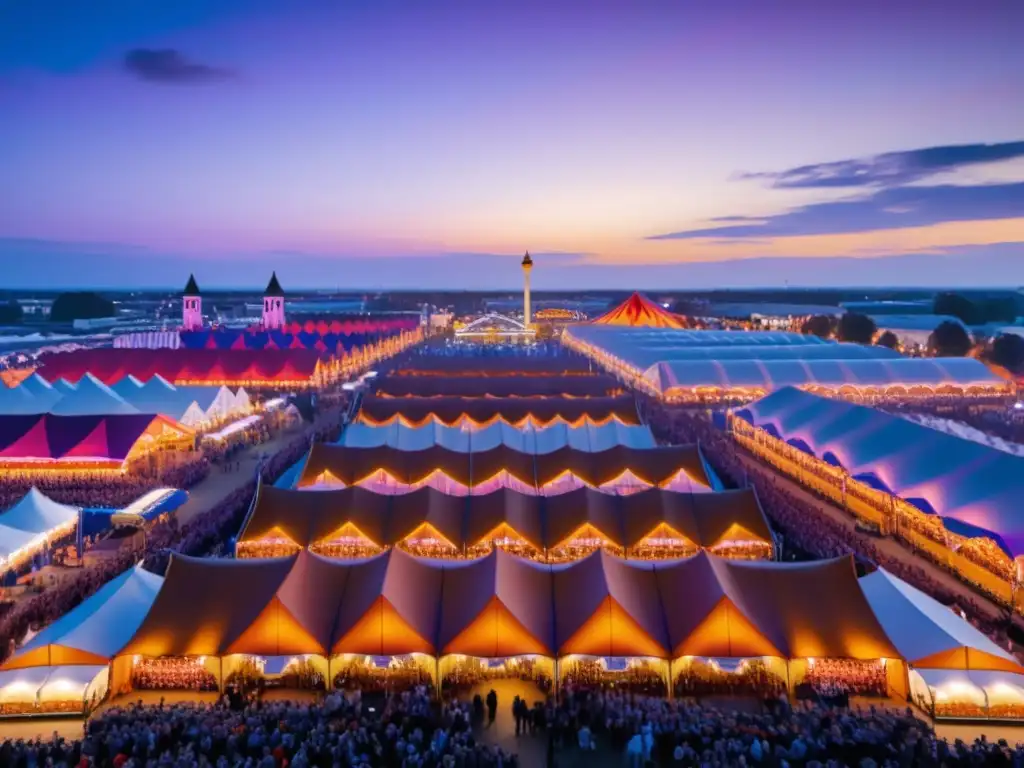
(274, 287)
(191, 287)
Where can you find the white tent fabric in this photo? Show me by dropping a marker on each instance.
(19, 686)
(27, 687)
(527, 439)
(981, 688)
(91, 397)
(921, 628)
(74, 683)
(27, 522)
(104, 622)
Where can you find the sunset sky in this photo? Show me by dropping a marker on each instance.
(428, 143)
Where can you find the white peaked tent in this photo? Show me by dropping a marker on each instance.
(94, 631)
(63, 386)
(928, 634)
(127, 386)
(91, 397)
(28, 524)
(525, 439)
(188, 405)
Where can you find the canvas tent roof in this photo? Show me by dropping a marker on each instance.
(307, 518)
(47, 437)
(526, 438)
(395, 604)
(495, 386)
(770, 375)
(282, 366)
(974, 488)
(927, 633)
(451, 410)
(96, 629)
(653, 465)
(639, 311)
(91, 397)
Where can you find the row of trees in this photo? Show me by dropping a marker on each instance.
(949, 339)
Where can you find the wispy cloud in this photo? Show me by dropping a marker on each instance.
(895, 208)
(890, 169)
(167, 65)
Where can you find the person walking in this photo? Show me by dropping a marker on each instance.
(492, 705)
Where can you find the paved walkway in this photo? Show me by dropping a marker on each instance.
(219, 484)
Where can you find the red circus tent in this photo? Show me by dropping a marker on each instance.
(640, 312)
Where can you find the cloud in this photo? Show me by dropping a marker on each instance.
(166, 65)
(896, 208)
(892, 168)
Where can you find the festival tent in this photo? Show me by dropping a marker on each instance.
(306, 519)
(492, 386)
(526, 438)
(475, 366)
(928, 634)
(287, 367)
(489, 609)
(32, 395)
(91, 397)
(974, 488)
(45, 440)
(96, 629)
(454, 410)
(189, 405)
(640, 312)
(617, 338)
(605, 606)
(31, 521)
(332, 465)
(63, 386)
(683, 376)
(207, 604)
(390, 607)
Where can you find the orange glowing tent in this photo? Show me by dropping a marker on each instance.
(640, 312)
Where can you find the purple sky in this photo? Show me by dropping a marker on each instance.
(428, 144)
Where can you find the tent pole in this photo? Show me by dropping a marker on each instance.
(437, 675)
(671, 682)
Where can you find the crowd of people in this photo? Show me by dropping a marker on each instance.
(832, 678)
(172, 674)
(410, 730)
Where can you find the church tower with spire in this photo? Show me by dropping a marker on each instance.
(191, 306)
(273, 305)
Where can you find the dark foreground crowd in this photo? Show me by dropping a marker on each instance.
(412, 730)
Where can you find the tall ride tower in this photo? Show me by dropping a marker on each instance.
(527, 266)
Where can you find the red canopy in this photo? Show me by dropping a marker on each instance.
(640, 312)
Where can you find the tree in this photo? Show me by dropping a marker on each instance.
(80, 305)
(888, 339)
(855, 327)
(958, 306)
(11, 313)
(818, 325)
(950, 339)
(1007, 350)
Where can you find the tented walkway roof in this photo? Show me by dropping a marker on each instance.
(306, 518)
(974, 488)
(502, 606)
(526, 439)
(453, 410)
(649, 466)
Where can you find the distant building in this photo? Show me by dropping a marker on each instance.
(273, 305)
(191, 306)
(908, 307)
(912, 330)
